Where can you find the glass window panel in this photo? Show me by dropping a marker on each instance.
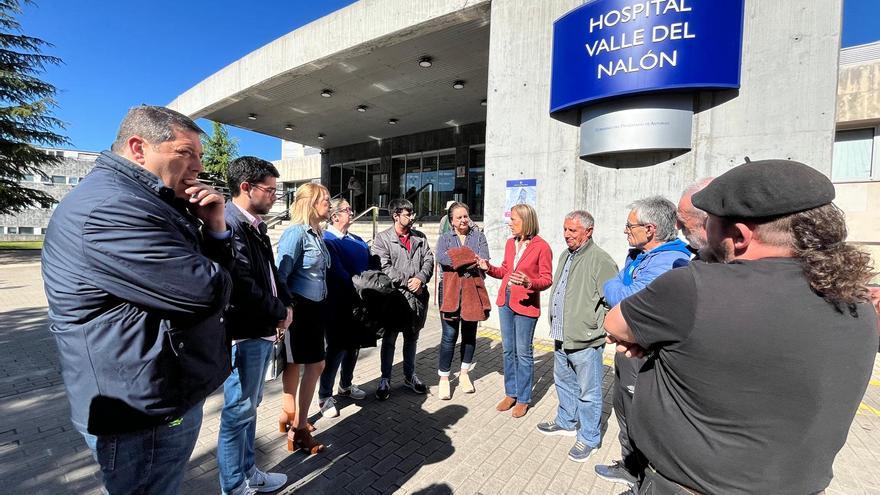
(476, 175)
(59, 179)
(446, 174)
(852, 154)
(398, 177)
(428, 196)
(26, 230)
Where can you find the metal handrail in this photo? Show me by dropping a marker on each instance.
(273, 220)
(417, 191)
(375, 220)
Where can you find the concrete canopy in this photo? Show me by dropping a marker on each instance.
(366, 54)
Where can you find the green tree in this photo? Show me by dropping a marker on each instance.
(26, 105)
(219, 149)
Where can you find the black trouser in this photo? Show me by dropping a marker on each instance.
(657, 484)
(626, 371)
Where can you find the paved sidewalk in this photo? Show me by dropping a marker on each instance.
(408, 444)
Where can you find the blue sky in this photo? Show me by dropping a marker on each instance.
(118, 54)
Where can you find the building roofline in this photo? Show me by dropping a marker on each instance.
(311, 47)
(860, 54)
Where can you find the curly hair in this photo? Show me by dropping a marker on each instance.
(837, 271)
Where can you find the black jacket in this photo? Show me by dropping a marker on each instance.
(254, 312)
(136, 299)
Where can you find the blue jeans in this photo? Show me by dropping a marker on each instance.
(517, 332)
(386, 356)
(242, 393)
(447, 343)
(578, 379)
(149, 461)
(347, 358)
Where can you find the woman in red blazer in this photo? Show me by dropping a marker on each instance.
(525, 272)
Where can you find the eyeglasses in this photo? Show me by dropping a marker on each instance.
(630, 226)
(270, 190)
(344, 210)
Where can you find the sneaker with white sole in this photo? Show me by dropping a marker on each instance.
(262, 482)
(416, 385)
(243, 489)
(580, 452)
(353, 391)
(552, 428)
(328, 407)
(616, 472)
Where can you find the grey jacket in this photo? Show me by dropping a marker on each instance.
(401, 266)
(584, 309)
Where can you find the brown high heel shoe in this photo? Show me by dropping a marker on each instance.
(304, 440)
(286, 420)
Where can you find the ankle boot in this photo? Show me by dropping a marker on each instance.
(305, 441)
(445, 392)
(465, 383)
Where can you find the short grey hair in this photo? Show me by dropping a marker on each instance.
(582, 216)
(694, 188)
(659, 212)
(155, 124)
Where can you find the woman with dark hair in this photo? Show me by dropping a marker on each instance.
(464, 300)
(525, 272)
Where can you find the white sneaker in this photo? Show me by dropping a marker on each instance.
(328, 408)
(261, 482)
(353, 391)
(243, 489)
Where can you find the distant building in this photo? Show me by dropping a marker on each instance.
(30, 224)
(855, 168)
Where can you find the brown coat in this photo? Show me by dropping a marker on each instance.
(464, 290)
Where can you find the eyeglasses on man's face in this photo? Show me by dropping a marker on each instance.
(630, 226)
(270, 190)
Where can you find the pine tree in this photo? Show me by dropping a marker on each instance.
(219, 150)
(26, 120)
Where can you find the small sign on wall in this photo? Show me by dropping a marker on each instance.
(520, 191)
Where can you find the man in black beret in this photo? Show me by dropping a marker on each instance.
(758, 362)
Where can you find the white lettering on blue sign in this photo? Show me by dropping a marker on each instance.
(647, 61)
(633, 12)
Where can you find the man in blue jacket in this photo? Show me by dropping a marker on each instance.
(652, 234)
(259, 311)
(134, 266)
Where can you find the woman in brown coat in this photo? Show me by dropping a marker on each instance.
(464, 300)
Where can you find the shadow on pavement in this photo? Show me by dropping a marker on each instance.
(37, 440)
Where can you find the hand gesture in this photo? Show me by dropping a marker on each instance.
(207, 204)
(414, 285)
(519, 278)
(482, 264)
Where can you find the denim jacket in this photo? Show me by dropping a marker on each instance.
(303, 261)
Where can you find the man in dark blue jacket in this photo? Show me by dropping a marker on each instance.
(134, 270)
(259, 312)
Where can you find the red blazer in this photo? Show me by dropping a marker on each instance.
(537, 264)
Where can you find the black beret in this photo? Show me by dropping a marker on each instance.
(765, 188)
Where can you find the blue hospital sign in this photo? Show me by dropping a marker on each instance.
(609, 48)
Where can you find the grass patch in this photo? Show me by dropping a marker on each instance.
(21, 244)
